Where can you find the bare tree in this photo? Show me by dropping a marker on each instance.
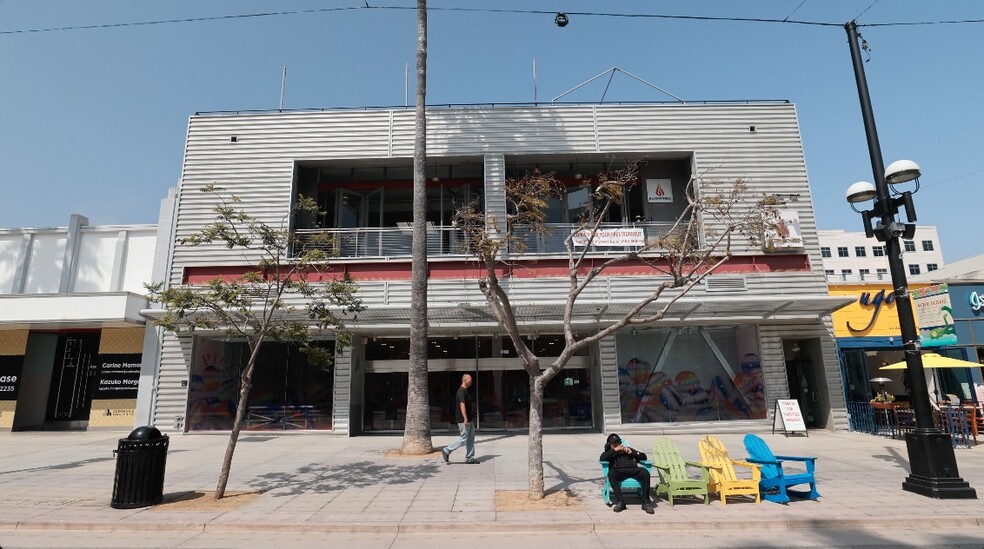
(256, 306)
(681, 257)
(417, 430)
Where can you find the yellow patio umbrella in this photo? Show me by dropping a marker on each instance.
(934, 360)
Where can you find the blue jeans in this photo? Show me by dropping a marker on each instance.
(466, 437)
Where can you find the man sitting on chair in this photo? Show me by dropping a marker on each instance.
(623, 463)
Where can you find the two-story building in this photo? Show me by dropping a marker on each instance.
(757, 331)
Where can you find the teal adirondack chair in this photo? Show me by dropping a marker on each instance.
(674, 477)
(776, 480)
(628, 485)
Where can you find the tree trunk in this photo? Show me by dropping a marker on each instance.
(244, 388)
(536, 438)
(417, 430)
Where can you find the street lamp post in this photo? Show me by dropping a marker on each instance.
(932, 463)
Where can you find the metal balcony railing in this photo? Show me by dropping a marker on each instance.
(450, 241)
(553, 242)
(380, 241)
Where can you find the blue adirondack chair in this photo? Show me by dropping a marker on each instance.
(775, 481)
(628, 485)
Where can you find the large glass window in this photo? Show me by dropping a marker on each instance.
(288, 393)
(690, 374)
(502, 399)
(500, 390)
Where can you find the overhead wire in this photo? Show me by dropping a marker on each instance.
(794, 11)
(785, 20)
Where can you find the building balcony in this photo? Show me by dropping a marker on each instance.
(397, 242)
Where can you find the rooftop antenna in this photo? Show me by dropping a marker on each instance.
(613, 70)
(534, 81)
(283, 83)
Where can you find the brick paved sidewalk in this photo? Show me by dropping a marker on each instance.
(324, 483)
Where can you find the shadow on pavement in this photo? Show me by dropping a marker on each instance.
(896, 457)
(59, 466)
(330, 478)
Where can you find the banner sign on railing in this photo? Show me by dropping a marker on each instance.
(611, 237)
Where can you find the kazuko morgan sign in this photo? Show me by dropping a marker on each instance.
(932, 306)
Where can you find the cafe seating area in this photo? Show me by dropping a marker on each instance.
(894, 419)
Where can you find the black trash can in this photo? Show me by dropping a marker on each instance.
(140, 460)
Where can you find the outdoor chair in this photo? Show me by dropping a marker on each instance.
(723, 480)
(776, 479)
(628, 485)
(674, 476)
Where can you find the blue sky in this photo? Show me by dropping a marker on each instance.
(93, 121)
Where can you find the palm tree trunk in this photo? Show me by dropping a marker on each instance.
(417, 431)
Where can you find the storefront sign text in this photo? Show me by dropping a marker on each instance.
(976, 302)
(877, 301)
(10, 373)
(119, 376)
(611, 237)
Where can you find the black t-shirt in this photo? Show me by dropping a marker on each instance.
(462, 396)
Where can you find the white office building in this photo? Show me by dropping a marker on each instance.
(852, 257)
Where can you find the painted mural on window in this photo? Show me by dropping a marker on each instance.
(690, 374)
(287, 394)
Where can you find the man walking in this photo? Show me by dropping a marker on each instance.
(463, 414)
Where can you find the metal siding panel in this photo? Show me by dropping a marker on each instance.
(774, 367)
(172, 398)
(611, 406)
(342, 390)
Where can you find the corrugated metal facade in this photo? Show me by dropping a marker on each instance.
(254, 155)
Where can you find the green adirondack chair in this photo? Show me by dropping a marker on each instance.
(674, 476)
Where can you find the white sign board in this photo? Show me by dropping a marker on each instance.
(782, 230)
(627, 236)
(659, 191)
(788, 416)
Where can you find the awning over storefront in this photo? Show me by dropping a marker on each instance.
(70, 310)
(477, 315)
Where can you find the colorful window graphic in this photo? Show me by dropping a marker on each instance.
(690, 374)
(287, 394)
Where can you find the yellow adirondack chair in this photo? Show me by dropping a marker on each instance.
(724, 481)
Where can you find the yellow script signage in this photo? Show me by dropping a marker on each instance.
(872, 314)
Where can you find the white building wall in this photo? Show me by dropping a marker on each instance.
(138, 268)
(10, 252)
(46, 259)
(97, 251)
(757, 142)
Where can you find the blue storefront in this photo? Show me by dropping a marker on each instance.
(967, 302)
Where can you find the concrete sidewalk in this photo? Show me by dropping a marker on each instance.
(322, 483)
